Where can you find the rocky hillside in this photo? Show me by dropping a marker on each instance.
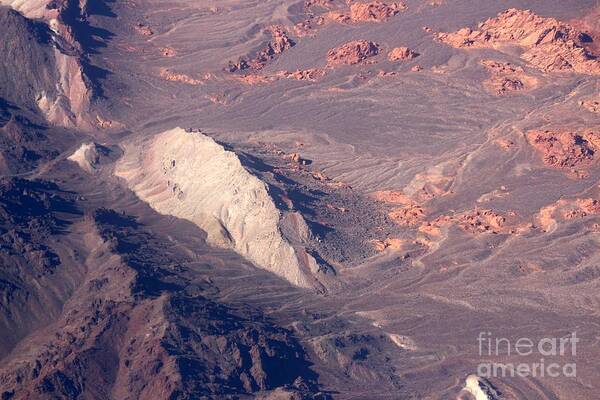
(49, 64)
(124, 319)
(190, 176)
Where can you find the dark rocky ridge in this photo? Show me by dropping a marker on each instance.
(134, 307)
(36, 276)
(27, 54)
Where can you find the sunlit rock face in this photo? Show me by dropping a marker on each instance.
(190, 176)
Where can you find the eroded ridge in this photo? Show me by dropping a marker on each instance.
(190, 176)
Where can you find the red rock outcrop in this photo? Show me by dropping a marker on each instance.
(592, 105)
(351, 53)
(504, 143)
(280, 42)
(548, 44)
(584, 207)
(375, 11)
(181, 78)
(401, 54)
(254, 79)
(570, 151)
(240, 65)
(409, 213)
(311, 74)
(473, 221)
(307, 27)
(479, 221)
(506, 78)
(321, 3)
(391, 197)
(389, 243)
(168, 52)
(386, 74)
(566, 209)
(143, 29)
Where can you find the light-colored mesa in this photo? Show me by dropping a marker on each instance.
(190, 176)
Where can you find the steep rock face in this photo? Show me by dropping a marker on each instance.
(190, 176)
(351, 53)
(548, 44)
(52, 79)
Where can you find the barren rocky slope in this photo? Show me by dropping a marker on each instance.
(190, 176)
(52, 78)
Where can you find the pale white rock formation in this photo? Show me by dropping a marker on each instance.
(87, 156)
(190, 176)
(404, 342)
(479, 388)
(29, 8)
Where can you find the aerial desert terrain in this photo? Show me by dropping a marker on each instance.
(299, 199)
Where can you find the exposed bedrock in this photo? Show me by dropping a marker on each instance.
(133, 326)
(91, 156)
(547, 44)
(52, 80)
(351, 53)
(190, 176)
